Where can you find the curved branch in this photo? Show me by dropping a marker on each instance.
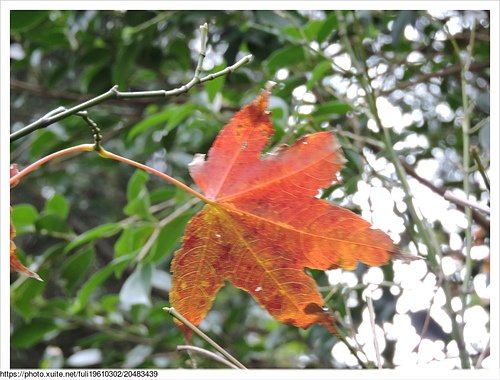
(208, 354)
(204, 336)
(113, 93)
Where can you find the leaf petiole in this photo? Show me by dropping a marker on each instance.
(84, 147)
(105, 154)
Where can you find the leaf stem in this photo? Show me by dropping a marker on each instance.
(84, 147)
(204, 336)
(105, 154)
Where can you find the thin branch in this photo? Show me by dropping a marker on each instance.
(478, 217)
(352, 350)
(483, 354)
(425, 326)
(479, 125)
(113, 93)
(208, 354)
(204, 336)
(377, 147)
(371, 312)
(21, 87)
(448, 71)
(465, 65)
(475, 155)
(105, 154)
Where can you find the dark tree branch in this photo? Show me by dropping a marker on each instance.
(453, 70)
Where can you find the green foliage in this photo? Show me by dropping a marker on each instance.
(102, 234)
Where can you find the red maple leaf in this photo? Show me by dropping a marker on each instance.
(264, 225)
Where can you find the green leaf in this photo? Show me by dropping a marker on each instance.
(104, 230)
(43, 140)
(57, 205)
(76, 267)
(213, 87)
(136, 184)
(173, 114)
(21, 21)
(23, 218)
(97, 279)
(312, 28)
(26, 335)
(52, 223)
(326, 110)
(169, 237)
(179, 49)
(136, 289)
(293, 33)
(179, 114)
(273, 19)
(133, 239)
(22, 298)
(138, 195)
(123, 66)
(162, 194)
(402, 20)
(285, 57)
(354, 159)
(328, 26)
(50, 38)
(139, 206)
(318, 73)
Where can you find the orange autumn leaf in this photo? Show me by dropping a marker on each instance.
(15, 264)
(264, 225)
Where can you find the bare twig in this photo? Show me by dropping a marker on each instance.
(113, 93)
(425, 326)
(371, 312)
(204, 336)
(477, 216)
(482, 355)
(448, 195)
(479, 125)
(475, 155)
(453, 70)
(208, 354)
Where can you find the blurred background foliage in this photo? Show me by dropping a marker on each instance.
(102, 234)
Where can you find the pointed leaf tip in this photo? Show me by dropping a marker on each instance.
(262, 100)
